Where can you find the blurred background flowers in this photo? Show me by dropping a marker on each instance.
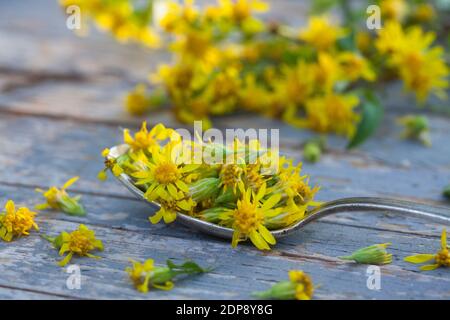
(325, 75)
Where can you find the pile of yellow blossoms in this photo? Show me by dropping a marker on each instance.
(242, 194)
(227, 59)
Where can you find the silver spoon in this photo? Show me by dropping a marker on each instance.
(407, 208)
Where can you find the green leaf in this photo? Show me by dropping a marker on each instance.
(372, 113)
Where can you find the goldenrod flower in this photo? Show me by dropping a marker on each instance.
(299, 287)
(321, 33)
(15, 223)
(79, 242)
(446, 192)
(145, 275)
(59, 199)
(240, 10)
(424, 12)
(145, 140)
(354, 67)
(394, 9)
(375, 254)
(441, 258)
(123, 19)
(247, 219)
(332, 113)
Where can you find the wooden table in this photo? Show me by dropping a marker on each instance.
(60, 105)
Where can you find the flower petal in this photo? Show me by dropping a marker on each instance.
(419, 258)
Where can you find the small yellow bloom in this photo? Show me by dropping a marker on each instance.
(166, 176)
(394, 9)
(415, 128)
(15, 223)
(80, 242)
(299, 287)
(248, 218)
(321, 33)
(59, 199)
(137, 101)
(331, 113)
(424, 12)
(145, 140)
(441, 258)
(144, 275)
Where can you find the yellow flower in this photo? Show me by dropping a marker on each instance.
(441, 258)
(297, 82)
(230, 176)
(144, 275)
(165, 175)
(321, 33)
(329, 113)
(420, 66)
(304, 288)
(15, 223)
(299, 287)
(248, 218)
(363, 41)
(415, 128)
(293, 183)
(145, 140)
(59, 199)
(79, 242)
(424, 12)
(327, 72)
(241, 10)
(394, 9)
(354, 66)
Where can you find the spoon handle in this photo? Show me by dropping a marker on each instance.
(406, 208)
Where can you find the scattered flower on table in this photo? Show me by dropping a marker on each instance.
(298, 287)
(59, 199)
(146, 275)
(441, 258)
(416, 128)
(375, 254)
(79, 242)
(16, 222)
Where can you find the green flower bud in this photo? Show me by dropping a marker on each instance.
(204, 189)
(375, 254)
